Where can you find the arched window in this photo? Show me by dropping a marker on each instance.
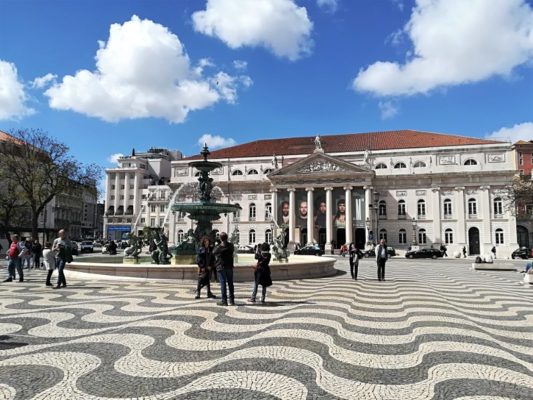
(419, 164)
(268, 171)
(383, 234)
(382, 208)
(180, 236)
(268, 236)
(447, 208)
(402, 236)
(253, 172)
(499, 236)
(421, 208)
(472, 207)
(268, 211)
(498, 206)
(236, 172)
(401, 207)
(400, 165)
(448, 236)
(251, 237)
(422, 239)
(251, 212)
(381, 166)
(470, 161)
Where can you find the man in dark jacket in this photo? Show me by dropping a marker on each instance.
(224, 264)
(381, 258)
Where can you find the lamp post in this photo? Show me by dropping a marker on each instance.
(413, 222)
(376, 210)
(368, 228)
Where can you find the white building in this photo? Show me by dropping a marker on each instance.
(410, 187)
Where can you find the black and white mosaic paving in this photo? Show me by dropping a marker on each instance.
(433, 330)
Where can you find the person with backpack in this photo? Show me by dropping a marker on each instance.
(13, 253)
(205, 261)
(262, 274)
(63, 252)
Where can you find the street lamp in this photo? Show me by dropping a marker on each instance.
(376, 210)
(413, 222)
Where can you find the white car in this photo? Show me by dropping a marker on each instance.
(86, 246)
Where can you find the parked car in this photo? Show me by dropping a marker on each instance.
(522, 252)
(424, 253)
(391, 251)
(87, 246)
(245, 248)
(310, 250)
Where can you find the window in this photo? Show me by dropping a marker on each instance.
(421, 208)
(251, 237)
(470, 161)
(401, 207)
(268, 236)
(268, 171)
(180, 236)
(152, 222)
(253, 172)
(402, 236)
(383, 234)
(121, 187)
(268, 211)
(131, 197)
(143, 220)
(121, 197)
(382, 208)
(400, 165)
(131, 187)
(251, 212)
(498, 206)
(112, 187)
(112, 197)
(472, 207)
(422, 239)
(448, 236)
(236, 172)
(381, 166)
(499, 236)
(161, 221)
(419, 164)
(520, 158)
(447, 208)
(162, 208)
(152, 208)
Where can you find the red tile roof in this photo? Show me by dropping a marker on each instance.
(352, 142)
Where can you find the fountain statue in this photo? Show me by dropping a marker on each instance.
(131, 253)
(161, 254)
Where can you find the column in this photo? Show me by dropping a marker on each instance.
(126, 191)
(349, 219)
(310, 216)
(136, 197)
(435, 205)
(461, 223)
(486, 234)
(274, 215)
(368, 212)
(329, 219)
(292, 216)
(117, 191)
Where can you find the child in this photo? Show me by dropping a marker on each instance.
(49, 262)
(262, 272)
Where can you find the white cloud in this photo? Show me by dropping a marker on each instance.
(215, 142)
(455, 42)
(142, 71)
(42, 81)
(279, 25)
(388, 110)
(13, 98)
(523, 131)
(113, 158)
(240, 65)
(328, 5)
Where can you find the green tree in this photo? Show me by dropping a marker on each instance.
(520, 196)
(43, 168)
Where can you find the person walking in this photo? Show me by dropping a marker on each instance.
(262, 275)
(355, 254)
(444, 250)
(37, 254)
(493, 251)
(63, 252)
(224, 264)
(381, 258)
(15, 263)
(49, 261)
(464, 251)
(204, 260)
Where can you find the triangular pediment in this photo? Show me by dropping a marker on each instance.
(320, 164)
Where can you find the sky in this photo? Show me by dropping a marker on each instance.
(105, 77)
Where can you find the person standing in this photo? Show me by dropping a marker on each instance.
(224, 264)
(381, 258)
(15, 248)
(444, 250)
(49, 261)
(493, 251)
(63, 253)
(464, 251)
(262, 275)
(204, 260)
(355, 255)
(37, 254)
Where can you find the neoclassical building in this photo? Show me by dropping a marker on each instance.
(409, 187)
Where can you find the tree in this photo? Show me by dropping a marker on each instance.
(42, 168)
(520, 195)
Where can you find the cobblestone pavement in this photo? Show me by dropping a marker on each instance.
(432, 330)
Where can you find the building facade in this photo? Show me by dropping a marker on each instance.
(524, 211)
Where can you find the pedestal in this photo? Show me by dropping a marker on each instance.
(183, 259)
(127, 260)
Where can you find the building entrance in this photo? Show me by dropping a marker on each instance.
(360, 239)
(473, 241)
(341, 237)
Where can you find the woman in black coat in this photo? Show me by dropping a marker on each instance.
(205, 261)
(262, 272)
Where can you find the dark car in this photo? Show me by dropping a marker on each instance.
(310, 250)
(424, 253)
(522, 252)
(372, 252)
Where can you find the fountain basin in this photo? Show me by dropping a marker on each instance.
(299, 267)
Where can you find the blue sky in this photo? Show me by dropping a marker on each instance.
(108, 76)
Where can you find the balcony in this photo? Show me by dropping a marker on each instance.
(447, 216)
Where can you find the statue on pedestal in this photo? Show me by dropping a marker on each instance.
(134, 247)
(279, 248)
